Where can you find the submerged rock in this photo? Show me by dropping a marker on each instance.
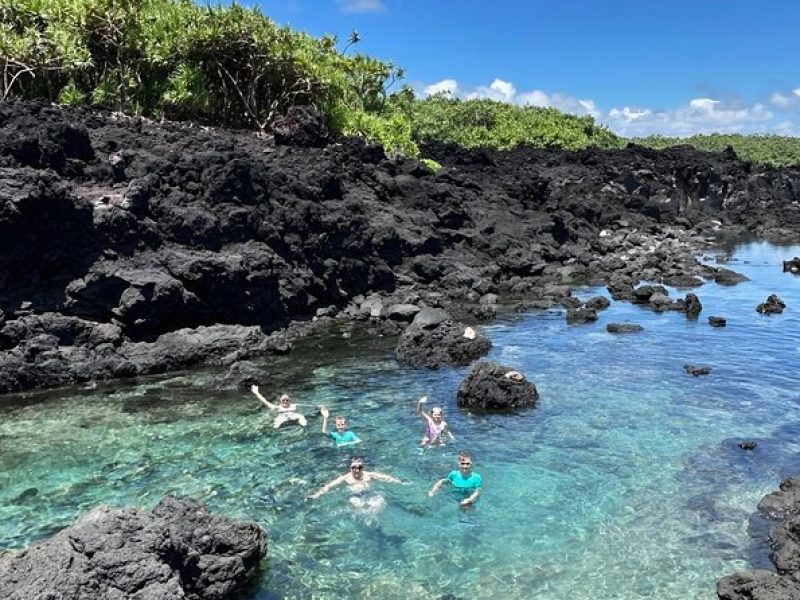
(492, 386)
(178, 551)
(771, 306)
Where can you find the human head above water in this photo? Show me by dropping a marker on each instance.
(357, 466)
(286, 400)
(436, 413)
(340, 422)
(465, 460)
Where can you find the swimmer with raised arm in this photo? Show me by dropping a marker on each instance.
(436, 430)
(287, 410)
(358, 480)
(342, 436)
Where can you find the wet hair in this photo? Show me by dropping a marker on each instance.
(465, 454)
(285, 397)
(339, 418)
(437, 410)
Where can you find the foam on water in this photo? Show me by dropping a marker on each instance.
(625, 482)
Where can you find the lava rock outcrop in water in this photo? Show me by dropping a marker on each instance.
(179, 550)
(129, 247)
(491, 386)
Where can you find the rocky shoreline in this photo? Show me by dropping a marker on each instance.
(129, 247)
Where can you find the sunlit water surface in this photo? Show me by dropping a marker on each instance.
(625, 482)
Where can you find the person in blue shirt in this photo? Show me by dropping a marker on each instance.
(466, 483)
(342, 436)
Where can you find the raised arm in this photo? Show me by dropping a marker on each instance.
(327, 487)
(325, 414)
(264, 401)
(420, 403)
(436, 486)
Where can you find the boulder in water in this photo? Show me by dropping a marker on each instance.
(433, 340)
(771, 306)
(581, 315)
(178, 551)
(717, 321)
(624, 328)
(792, 266)
(491, 386)
(697, 370)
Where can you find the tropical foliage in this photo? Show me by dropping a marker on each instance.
(229, 65)
(770, 149)
(486, 123)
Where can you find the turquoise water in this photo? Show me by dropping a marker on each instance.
(625, 482)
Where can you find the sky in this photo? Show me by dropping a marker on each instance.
(640, 67)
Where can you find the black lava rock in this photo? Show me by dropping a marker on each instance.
(433, 340)
(771, 306)
(747, 445)
(491, 386)
(179, 550)
(624, 328)
(697, 370)
(717, 321)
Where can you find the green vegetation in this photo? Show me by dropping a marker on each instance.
(229, 66)
(486, 123)
(770, 149)
(233, 66)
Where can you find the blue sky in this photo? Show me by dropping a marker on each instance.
(672, 67)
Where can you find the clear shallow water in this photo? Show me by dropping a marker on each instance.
(625, 482)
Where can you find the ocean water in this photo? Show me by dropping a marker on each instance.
(625, 482)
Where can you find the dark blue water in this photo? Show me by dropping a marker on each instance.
(625, 482)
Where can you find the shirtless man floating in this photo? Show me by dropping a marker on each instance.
(358, 480)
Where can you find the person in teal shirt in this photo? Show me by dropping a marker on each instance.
(342, 436)
(466, 483)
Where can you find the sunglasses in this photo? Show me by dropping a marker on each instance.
(357, 468)
(466, 464)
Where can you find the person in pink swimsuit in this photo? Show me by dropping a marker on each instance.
(436, 430)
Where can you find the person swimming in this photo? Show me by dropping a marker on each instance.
(342, 436)
(358, 482)
(466, 483)
(436, 430)
(287, 410)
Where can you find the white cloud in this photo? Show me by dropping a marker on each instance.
(445, 86)
(700, 115)
(786, 128)
(362, 6)
(779, 100)
(502, 91)
(505, 91)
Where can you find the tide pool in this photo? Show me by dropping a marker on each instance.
(625, 482)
